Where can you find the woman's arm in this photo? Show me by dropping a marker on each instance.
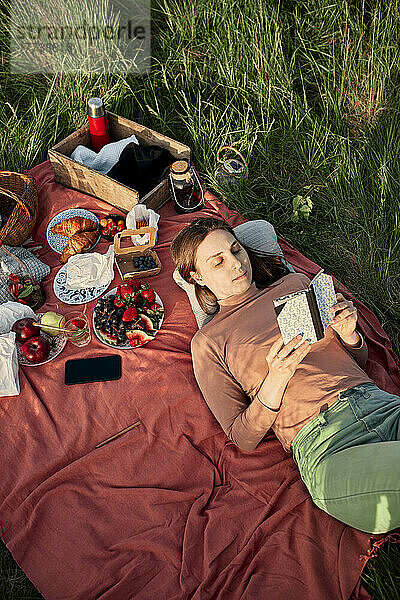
(226, 398)
(244, 424)
(357, 346)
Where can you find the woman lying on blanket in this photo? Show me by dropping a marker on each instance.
(343, 431)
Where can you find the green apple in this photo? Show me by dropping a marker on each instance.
(52, 319)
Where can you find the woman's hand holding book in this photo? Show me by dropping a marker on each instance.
(282, 361)
(345, 320)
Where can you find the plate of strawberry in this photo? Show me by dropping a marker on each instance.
(128, 316)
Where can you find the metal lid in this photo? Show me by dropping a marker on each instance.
(95, 107)
(233, 166)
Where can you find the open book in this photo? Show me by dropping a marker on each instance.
(307, 312)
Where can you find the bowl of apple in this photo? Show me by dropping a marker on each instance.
(34, 345)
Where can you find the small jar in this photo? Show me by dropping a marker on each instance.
(15, 276)
(230, 170)
(185, 187)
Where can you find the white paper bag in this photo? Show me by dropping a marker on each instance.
(9, 378)
(137, 213)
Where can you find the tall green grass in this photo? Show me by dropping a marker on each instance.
(308, 91)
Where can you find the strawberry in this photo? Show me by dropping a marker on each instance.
(79, 323)
(14, 278)
(126, 290)
(148, 295)
(134, 342)
(129, 314)
(118, 301)
(133, 282)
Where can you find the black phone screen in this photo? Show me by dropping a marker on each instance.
(98, 368)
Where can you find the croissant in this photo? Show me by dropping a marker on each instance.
(78, 243)
(74, 225)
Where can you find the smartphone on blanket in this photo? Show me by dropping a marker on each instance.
(88, 370)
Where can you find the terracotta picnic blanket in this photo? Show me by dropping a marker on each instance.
(170, 510)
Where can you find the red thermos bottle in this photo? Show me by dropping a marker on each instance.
(97, 124)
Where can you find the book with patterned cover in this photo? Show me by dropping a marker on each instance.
(307, 312)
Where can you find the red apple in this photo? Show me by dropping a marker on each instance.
(25, 329)
(36, 349)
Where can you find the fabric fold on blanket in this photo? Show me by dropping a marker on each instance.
(171, 509)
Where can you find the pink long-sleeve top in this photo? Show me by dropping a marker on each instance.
(229, 361)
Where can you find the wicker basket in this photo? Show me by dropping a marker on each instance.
(19, 205)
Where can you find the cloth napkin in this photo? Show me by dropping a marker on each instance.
(9, 376)
(37, 269)
(104, 160)
(90, 270)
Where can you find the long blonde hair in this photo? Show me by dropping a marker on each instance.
(267, 268)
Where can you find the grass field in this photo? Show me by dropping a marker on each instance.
(307, 91)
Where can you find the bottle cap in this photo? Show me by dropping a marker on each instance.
(179, 167)
(180, 170)
(95, 107)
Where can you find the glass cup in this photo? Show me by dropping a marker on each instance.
(78, 323)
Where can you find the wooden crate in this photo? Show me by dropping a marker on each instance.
(84, 179)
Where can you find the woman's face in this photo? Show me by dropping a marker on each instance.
(222, 265)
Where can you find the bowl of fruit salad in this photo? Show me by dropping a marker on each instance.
(128, 316)
(110, 225)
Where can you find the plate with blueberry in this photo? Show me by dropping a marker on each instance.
(128, 316)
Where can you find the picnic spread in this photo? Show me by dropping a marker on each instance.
(128, 488)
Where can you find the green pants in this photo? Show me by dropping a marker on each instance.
(349, 459)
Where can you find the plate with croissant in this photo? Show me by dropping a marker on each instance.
(73, 231)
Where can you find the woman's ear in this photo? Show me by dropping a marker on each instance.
(196, 277)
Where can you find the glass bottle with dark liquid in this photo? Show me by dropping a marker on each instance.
(185, 187)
